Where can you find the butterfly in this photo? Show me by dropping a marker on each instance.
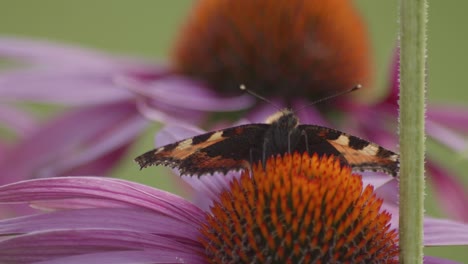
(241, 146)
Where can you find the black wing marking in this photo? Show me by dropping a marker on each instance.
(218, 151)
(360, 154)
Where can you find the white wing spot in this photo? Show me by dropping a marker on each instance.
(158, 150)
(185, 144)
(342, 140)
(216, 136)
(394, 158)
(371, 149)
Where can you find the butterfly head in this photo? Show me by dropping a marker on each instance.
(284, 118)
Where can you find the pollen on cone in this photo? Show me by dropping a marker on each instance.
(299, 209)
(290, 48)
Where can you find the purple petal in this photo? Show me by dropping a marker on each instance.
(52, 54)
(168, 91)
(394, 82)
(62, 86)
(62, 243)
(209, 186)
(450, 192)
(309, 114)
(455, 117)
(437, 232)
(67, 74)
(447, 137)
(17, 120)
(168, 114)
(263, 111)
(131, 257)
(389, 192)
(443, 232)
(375, 179)
(130, 219)
(175, 132)
(434, 260)
(117, 192)
(73, 140)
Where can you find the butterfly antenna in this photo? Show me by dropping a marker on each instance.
(243, 88)
(355, 88)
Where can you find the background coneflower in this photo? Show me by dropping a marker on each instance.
(289, 49)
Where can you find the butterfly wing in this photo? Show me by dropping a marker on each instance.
(217, 151)
(358, 153)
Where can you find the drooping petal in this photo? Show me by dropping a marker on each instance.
(394, 81)
(388, 191)
(50, 54)
(175, 132)
(447, 137)
(184, 93)
(38, 246)
(450, 193)
(115, 217)
(434, 260)
(443, 232)
(17, 120)
(118, 193)
(455, 117)
(162, 256)
(75, 87)
(437, 232)
(138, 220)
(78, 138)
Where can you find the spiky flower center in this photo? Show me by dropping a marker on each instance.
(286, 48)
(299, 209)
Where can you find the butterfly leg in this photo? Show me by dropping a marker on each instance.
(251, 155)
(304, 134)
(264, 150)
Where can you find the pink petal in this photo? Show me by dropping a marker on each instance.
(168, 91)
(17, 120)
(443, 232)
(73, 140)
(450, 192)
(394, 82)
(130, 219)
(168, 114)
(264, 110)
(118, 192)
(62, 86)
(175, 132)
(131, 257)
(389, 192)
(447, 137)
(455, 117)
(51, 54)
(309, 114)
(62, 243)
(437, 232)
(434, 260)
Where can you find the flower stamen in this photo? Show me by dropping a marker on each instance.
(299, 209)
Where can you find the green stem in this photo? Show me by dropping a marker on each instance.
(413, 18)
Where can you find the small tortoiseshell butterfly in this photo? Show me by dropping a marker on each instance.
(238, 147)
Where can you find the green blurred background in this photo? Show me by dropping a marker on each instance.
(147, 28)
